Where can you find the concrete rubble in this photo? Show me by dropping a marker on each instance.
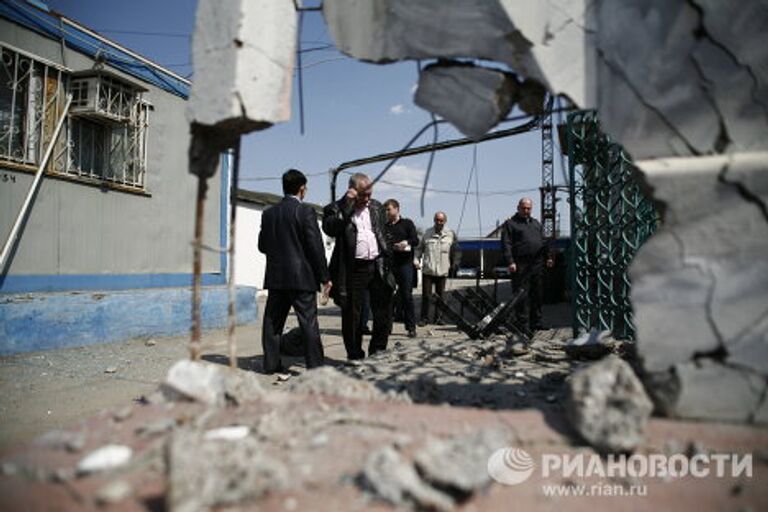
(591, 345)
(205, 473)
(608, 406)
(464, 372)
(105, 458)
(328, 381)
(320, 451)
(210, 383)
(391, 478)
(459, 464)
(443, 88)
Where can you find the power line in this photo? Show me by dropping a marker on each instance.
(477, 187)
(143, 33)
(466, 194)
(483, 193)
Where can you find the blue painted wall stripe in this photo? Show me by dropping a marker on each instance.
(42, 321)
(71, 282)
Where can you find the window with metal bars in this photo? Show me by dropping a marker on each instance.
(105, 137)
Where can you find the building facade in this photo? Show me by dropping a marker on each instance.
(104, 249)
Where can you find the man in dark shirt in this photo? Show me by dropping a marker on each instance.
(525, 251)
(402, 236)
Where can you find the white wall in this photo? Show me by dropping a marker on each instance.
(249, 262)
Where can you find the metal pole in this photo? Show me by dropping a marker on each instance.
(13, 236)
(231, 308)
(194, 345)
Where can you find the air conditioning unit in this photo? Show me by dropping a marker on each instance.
(104, 96)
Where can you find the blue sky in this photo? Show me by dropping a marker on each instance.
(352, 110)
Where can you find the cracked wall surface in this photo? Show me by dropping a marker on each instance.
(700, 287)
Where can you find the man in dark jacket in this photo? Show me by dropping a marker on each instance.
(402, 236)
(525, 251)
(296, 266)
(360, 262)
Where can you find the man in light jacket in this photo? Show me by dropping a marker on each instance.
(437, 255)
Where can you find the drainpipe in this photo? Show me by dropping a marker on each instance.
(13, 236)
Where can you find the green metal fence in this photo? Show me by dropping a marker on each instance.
(610, 220)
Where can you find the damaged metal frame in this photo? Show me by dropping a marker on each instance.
(533, 123)
(495, 321)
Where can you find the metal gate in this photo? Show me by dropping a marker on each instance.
(610, 219)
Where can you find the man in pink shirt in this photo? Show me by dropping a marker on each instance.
(360, 261)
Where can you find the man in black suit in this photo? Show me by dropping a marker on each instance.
(296, 267)
(360, 261)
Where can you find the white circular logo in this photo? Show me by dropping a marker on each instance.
(510, 466)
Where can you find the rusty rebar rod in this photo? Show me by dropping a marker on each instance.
(231, 307)
(194, 345)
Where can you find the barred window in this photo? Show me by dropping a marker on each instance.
(105, 136)
(107, 151)
(32, 97)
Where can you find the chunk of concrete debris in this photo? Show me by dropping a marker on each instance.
(123, 413)
(209, 473)
(330, 382)
(107, 457)
(202, 382)
(244, 54)
(63, 440)
(392, 478)
(707, 390)
(410, 30)
(592, 345)
(211, 383)
(459, 464)
(233, 433)
(608, 406)
(114, 492)
(155, 427)
(472, 98)
(241, 386)
(110, 369)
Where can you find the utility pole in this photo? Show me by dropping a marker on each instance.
(547, 189)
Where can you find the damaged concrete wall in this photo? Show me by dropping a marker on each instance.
(684, 87)
(243, 55)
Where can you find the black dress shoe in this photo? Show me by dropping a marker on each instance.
(279, 369)
(422, 323)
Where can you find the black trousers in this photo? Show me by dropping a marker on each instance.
(279, 303)
(426, 294)
(362, 277)
(529, 277)
(404, 278)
